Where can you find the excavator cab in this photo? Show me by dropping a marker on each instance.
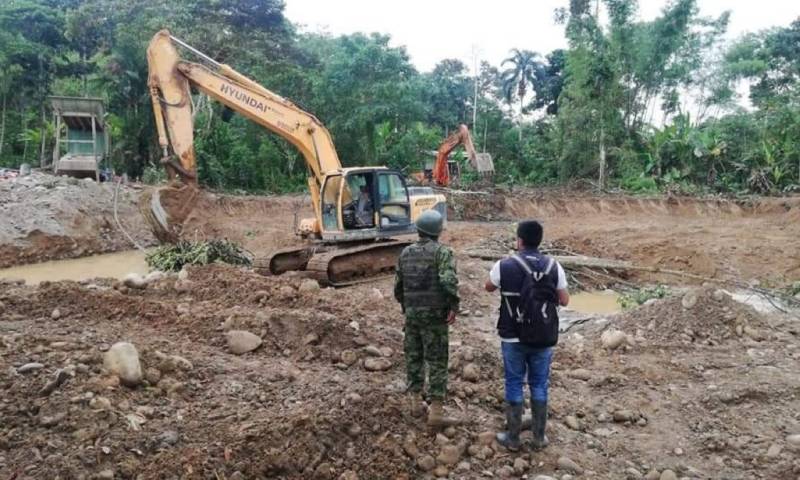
(364, 203)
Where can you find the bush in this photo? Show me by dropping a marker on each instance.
(639, 297)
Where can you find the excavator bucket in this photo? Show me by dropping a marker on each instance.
(167, 208)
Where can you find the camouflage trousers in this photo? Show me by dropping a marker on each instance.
(426, 342)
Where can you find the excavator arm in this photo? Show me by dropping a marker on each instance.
(169, 81)
(461, 136)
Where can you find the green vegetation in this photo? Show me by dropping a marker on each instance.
(638, 297)
(646, 106)
(172, 257)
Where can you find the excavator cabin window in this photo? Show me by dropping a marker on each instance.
(395, 209)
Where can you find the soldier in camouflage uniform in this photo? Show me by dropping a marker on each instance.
(427, 288)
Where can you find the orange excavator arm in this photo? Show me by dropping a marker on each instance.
(461, 136)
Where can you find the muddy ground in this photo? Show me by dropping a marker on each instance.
(700, 386)
(45, 217)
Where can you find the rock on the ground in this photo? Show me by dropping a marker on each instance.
(486, 438)
(309, 285)
(580, 374)
(543, 477)
(122, 359)
(373, 351)
(613, 339)
(441, 471)
(774, 451)
(55, 314)
(426, 463)
(569, 465)
(348, 475)
(377, 364)
(242, 341)
(668, 475)
(521, 465)
(689, 299)
(505, 471)
(652, 475)
(622, 416)
(30, 367)
(154, 276)
(348, 357)
(470, 372)
(793, 440)
(134, 280)
(449, 455)
(572, 422)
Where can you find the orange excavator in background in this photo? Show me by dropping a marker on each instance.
(441, 170)
(361, 214)
(444, 169)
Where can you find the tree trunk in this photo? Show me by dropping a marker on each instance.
(519, 122)
(44, 138)
(602, 178)
(3, 125)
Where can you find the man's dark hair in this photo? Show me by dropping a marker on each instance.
(530, 231)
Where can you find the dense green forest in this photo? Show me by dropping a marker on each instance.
(645, 106)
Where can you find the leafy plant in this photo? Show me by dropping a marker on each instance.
(639, 297)
(171, 258)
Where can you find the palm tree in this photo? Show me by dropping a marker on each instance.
(525, 67)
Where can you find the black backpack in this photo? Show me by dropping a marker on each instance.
(537, 310)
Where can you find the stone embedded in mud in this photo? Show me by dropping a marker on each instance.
(793, 440)
(486, 438)
(55, 314)
(568, 465)
(668, 475)
(183, 274)
(348, 475)
(520, 465)
(622, 416)
(134, 280)
(441, 472)
(309, 285)
(426, 463)
(613, 339)
(652, 475)
(470, 372)
(449, 455)
(348, 357)
(373, 351)
(376, 294)
(580, 374)
(505, 471)
(718, 295)
(377, 364)
(122, 359)
(154, 276)
(242, 341)
(30, 367)
(311, 339)
(689, 299)
(572, 422)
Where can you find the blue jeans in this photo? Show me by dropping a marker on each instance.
(519, 359)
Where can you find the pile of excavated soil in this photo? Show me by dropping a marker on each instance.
(45, 217)
(702, 315)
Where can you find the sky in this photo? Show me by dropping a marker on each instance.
(433, 30)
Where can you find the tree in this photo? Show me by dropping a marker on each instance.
(517, 80)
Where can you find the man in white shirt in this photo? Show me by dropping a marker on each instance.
(529, 356)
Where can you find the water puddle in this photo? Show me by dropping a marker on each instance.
(595, 302)
(109, 265)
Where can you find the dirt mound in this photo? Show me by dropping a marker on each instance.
(704, 316)
(47, 217)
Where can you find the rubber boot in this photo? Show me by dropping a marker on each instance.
(437, 418)
(539, 411)
(510, 438)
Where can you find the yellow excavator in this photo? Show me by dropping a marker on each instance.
(359, 212)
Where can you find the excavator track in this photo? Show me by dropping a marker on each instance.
(339, 267)
(287, 259)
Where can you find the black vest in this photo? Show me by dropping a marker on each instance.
(421, 288)
(511, 276)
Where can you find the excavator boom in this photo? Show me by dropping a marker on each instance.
(360, 207)
(441, 173)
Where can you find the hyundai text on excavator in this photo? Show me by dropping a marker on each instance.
(358, 212)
